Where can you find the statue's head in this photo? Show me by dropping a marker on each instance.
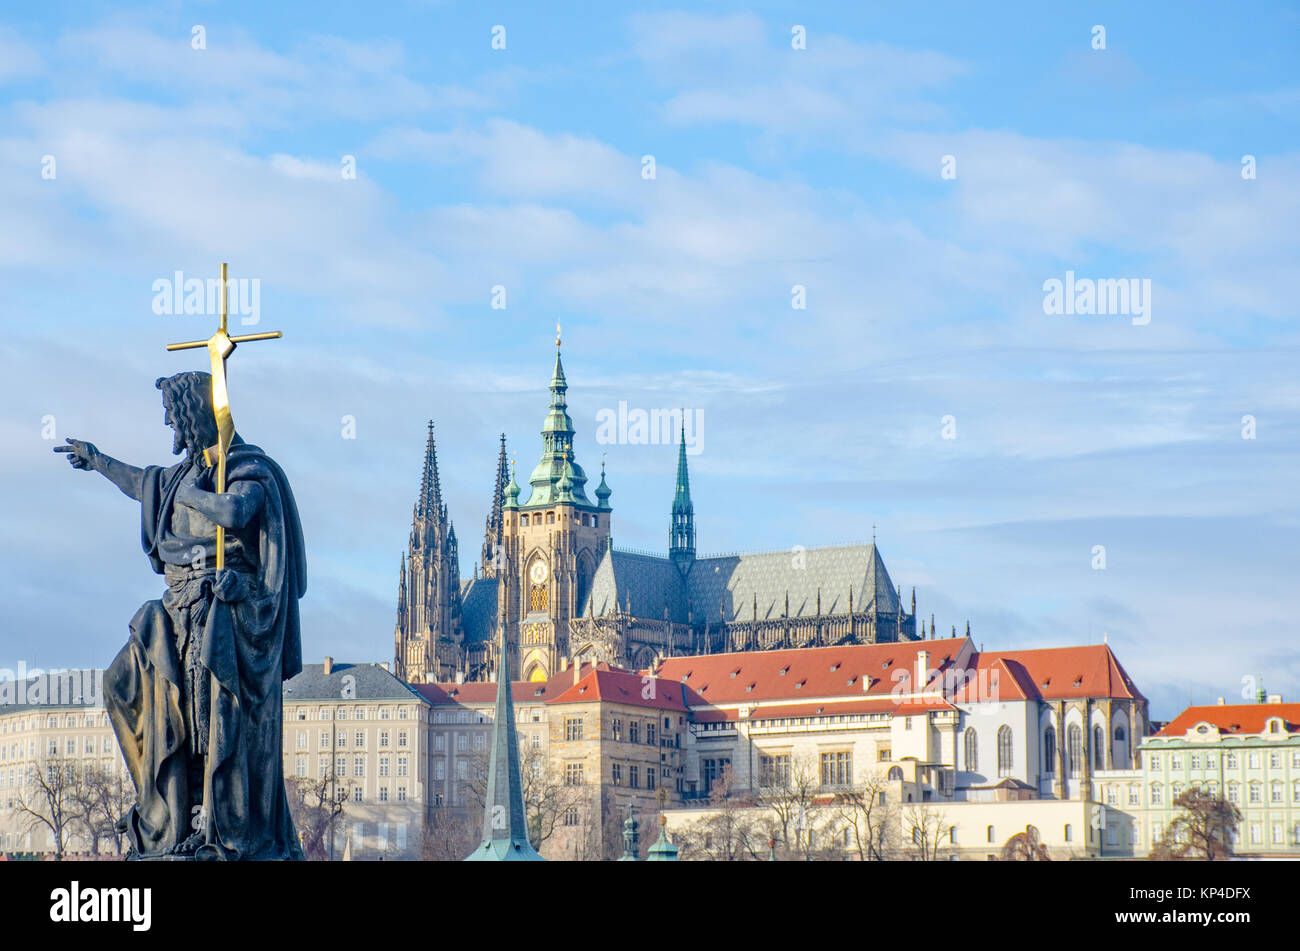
(187, 400)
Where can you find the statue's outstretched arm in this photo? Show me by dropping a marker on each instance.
(232, 509)
(84, 455)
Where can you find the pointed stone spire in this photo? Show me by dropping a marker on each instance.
(495, 527)
(505, 824)
(681, 535)
(429, 505)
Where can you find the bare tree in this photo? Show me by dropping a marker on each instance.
(1203, 828)
(790, 794)
(546, 796)
(449, 835)
(1025, 847)
(927, 833)
(731, 833)
(47, 799)
(865, 810)
(99, 799)
(317, 807)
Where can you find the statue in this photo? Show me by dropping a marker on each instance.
(195, 695)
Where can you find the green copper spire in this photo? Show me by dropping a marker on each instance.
(512, 490)
(662, 850)
(557, 477)
(681, 534)
(505, 824)
(602, 491)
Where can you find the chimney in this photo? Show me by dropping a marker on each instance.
(1220, 701)
(564, 664)
(577, 671)
(329, 666)
(922, 669)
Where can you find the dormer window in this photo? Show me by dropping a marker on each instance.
(834, 667)
(1275, 725)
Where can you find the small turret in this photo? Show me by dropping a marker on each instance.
(681, 535)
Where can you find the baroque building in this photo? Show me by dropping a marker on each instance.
(552, 575)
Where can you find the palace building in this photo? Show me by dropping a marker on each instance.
(552, 575)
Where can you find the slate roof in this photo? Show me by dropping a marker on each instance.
(732, 582)
(370, 682)
(1234, 719)
(478, 608)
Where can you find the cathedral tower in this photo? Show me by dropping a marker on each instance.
(552, 543)
(493, 553)
(427, 637)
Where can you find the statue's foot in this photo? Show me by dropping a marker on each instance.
(189, 847)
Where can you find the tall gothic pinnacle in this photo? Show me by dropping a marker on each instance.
(505, 824)
(429, 504)
(681, 532)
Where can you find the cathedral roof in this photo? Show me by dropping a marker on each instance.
(478, 608)
(730, 584)
(650, 582)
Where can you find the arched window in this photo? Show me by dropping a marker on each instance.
(972, 750)
(1049, 751)
(1119, 733)
(1004, 750)
(1074, 749)
(895, 774)
(990, 834)
(1098, 748)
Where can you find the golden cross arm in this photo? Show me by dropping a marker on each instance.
(196, 344)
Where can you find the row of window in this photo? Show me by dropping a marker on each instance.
(358, 766)
(359, 739)
(1253, 758)
(354, 713)
(1255, 792)
(71, 746)
(634, 775)
(1074, 758)
(70, 721)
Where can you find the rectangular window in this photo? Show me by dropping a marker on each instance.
(383, 794)
(1230, 760)
(401, 738)
(461, 742)
(383, 766)
(401, 794)
(1253, 760)
(401, 766)
(383, 737)
(1274, 760)
(573, 774)
(462, 769)
(440, 769)
(634, 777)
(616, 774)
(401, 830)
(616, 729)
(572, 729)
(356, 794)
(649, 777)
(302, 739)
(633, 731)
(359, 739)
(837, 768)
(343, 738)
(381, 839)
(358, 766)
(650, 734)
(479, 739)
(439, 742)
(536, 741)
(301, 767)
(774, 770)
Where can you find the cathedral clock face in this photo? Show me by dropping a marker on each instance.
(538, 572)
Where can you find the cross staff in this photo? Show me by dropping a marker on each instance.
(220, 346)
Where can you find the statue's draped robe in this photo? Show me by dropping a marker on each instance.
(202, 676)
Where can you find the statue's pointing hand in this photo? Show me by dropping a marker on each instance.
(81, 455)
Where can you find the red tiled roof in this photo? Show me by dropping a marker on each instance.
(809, 671)
(616, 685)
(1234, 718)
(1059, 673)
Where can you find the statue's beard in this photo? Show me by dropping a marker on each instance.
(182, 442)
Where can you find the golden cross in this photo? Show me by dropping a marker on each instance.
(220, 346)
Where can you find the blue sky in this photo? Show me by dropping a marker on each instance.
(819, 167)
